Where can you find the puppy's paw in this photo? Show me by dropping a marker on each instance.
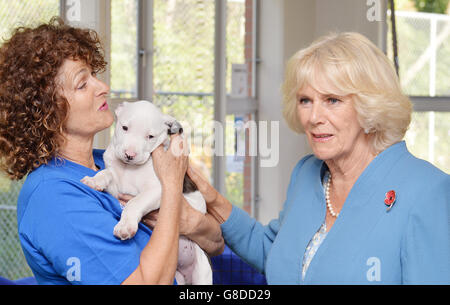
(125, 229)
(93, 183)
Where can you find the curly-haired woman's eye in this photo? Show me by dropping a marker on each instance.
(125, 128)
(150, 137)
(82, 86)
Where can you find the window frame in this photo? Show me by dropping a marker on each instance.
(102, 11)
(425, 103)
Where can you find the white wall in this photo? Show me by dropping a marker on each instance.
(93, 14)
(286, 26)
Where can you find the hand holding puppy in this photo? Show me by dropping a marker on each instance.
(171, 165)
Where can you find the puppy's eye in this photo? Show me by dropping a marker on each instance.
(125, 128)
(150, 137)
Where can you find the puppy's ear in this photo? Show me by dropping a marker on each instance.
(168, 120)
(120, 108)
(173, 126)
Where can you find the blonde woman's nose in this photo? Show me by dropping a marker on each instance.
(317, 113)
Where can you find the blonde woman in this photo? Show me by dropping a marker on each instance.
(362, 209)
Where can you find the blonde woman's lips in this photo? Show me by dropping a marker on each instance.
(321, 137)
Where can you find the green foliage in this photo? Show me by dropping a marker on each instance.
(124, 48)
(183, 46)
(25, 13)
(12, 261)
(183, 62)
(431, 6)
(234, 184)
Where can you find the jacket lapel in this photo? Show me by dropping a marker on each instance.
(362, 210)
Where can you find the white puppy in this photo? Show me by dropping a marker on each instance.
(140, 128)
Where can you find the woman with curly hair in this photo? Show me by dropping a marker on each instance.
(51, 106)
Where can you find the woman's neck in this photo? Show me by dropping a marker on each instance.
(345, 171)
(78, 150)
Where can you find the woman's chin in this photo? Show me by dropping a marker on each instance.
(323, 155)
(109, 120)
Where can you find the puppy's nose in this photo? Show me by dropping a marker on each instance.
(130, 155)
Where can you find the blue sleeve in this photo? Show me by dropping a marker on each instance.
(426, 244)
(248, 238)
(74, 232)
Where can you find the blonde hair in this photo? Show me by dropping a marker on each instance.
(349, 64)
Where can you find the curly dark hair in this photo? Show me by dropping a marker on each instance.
(32, 114)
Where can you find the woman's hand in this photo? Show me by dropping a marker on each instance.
(189, 218)
(208, 191)
(170, 166)
(217, 205)
(124, 198)
(203, 229)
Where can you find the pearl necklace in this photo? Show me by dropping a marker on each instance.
(327, 197)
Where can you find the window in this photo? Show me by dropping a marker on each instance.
(183, 70)
(428, 137)
(12, 261)
(180, 56)
(238, 174)
(25, 13)
(124, 49)
(424, 58)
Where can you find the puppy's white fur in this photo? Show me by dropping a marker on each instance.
(140, 128)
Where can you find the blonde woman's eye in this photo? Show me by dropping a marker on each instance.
(82, 86)
(333, 100)
(304, 101)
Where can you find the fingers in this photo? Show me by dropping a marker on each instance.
(151, 218)
(125, 197)
(209, 193)
(170, 166)
(179, 145)
(194, 175)
(149, 223)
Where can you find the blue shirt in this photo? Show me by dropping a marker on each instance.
(409, 244)
(66, 228)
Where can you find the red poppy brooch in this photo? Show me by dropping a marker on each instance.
(389, 200)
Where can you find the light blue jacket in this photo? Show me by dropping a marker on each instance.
(410, 244)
